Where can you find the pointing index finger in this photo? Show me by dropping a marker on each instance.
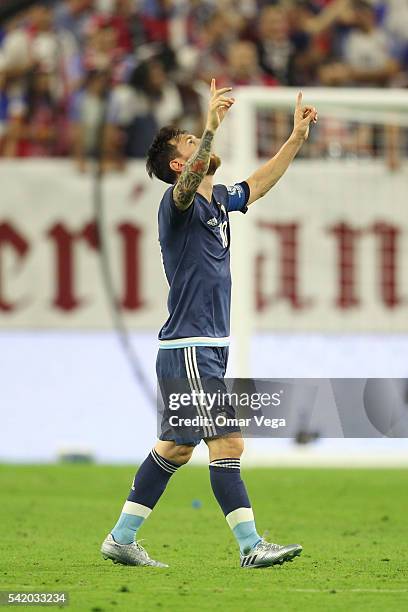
(212, 86)
(222, 91)
(299, 99)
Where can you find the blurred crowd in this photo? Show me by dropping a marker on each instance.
(139, 64)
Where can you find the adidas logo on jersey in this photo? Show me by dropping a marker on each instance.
(213, 222)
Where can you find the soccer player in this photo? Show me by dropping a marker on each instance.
(194, 237)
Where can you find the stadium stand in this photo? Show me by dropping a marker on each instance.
(143, 63)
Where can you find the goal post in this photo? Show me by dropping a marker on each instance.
(356, 126)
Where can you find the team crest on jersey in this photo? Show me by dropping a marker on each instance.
(235, 189)
(213, 222)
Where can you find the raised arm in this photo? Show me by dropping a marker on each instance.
(263, 179)
(196, 166)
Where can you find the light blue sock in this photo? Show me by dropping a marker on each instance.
(247, 536)
(124, 532)
(242, 524)
(128, 524)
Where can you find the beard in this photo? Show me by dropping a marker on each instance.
(215, 163)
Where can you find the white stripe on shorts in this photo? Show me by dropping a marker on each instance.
(211, 427)
(191, 380)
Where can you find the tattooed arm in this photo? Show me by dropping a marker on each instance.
(193, 173)
(195, 168)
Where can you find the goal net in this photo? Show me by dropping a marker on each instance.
(353, 123)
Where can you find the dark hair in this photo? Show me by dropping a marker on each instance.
(161, 152)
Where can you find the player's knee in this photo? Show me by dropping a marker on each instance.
(179, 454)
(226, 447)
(182, 454)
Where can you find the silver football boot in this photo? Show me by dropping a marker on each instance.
(266, 554)
(127, 554)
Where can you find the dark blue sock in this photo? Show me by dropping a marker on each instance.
(230, 492)
(149, 484)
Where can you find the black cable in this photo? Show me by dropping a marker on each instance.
(106, 269)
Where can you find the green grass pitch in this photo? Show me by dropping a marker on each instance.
(352, 524)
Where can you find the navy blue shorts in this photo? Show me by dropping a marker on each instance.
(195, 371)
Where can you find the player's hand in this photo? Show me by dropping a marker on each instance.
(303, 117)
(218, 106)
